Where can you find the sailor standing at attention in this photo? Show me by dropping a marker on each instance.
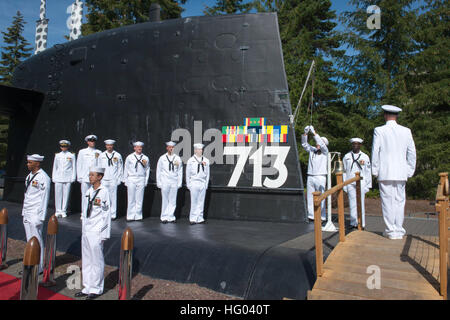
(35, 202)
(111, 160)
(197, 179)
(393, 162)
(63, 175)
(96, 229)
(87, 158)
(317, 169)
(135, 176)
(169, 177)
(357, 161)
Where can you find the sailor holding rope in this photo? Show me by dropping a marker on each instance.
(317, 169)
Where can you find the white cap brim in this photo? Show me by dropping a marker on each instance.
(356, 140)
(110, 141)
(171, 144)
(35, 157)
(198, 146)
(391, 109)
(91, 136)
(138, 144)
(97, 169)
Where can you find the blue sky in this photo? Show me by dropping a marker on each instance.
(57, 15)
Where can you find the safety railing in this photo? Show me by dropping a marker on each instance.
(443, 210)
(318, 198)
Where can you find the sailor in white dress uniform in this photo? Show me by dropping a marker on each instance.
(64, 173)
(357, 161)
(96, 229)
(393, 162)
(169, 178)
(112, 161)
(317, 169)
(86, 159)
(197, 179)
(35, 202)
(135, 176)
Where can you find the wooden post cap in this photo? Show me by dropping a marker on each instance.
(339, 173)
(52, 227)
(443, 174)
(4, 216)
(127, 239)
(357, 173)
(32, 254)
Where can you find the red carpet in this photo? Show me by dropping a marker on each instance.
(10, 290)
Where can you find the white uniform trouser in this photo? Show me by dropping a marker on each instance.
(92, 263)
(315, 183)
(392, 195)
(33, 228)
(84, 200)
(351, 191)
(62, 192)
(135, 191)
(198, 192)
(112, 188)
(168, 201)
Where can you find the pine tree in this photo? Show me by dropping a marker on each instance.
(105, 14)
(16, 49)
(228, 7)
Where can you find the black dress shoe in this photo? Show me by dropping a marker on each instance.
(174, 221)
(92, 296)
(203, 222)
(164, 221)
(310, 220)
(192, 223)
(80, 294)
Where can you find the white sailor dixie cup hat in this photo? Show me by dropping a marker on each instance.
(97, 169)
(325, 140)
(64, 143)
(91, 137)
(138, 144)
(110, 141)
(198, 146)
(356, 140)
(391, 109)
(35, 157)
(170, 144)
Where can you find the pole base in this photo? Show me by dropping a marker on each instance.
(329, 227)
(3, 266)
(48, 284)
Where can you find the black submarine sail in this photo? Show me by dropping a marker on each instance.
(217, 80)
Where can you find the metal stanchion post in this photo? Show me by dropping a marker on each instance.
(30, 274)
(50, 253)
(3, 237)
(126, 264)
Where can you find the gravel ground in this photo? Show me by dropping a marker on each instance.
(143, 287)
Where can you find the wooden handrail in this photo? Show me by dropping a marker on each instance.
(443, 208)
(318, 198)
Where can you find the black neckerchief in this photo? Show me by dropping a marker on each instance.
(110, 162)
(356, 161)
(28, 182)
(171, 165)
(89, 208)
(139, 161)
(200, 164)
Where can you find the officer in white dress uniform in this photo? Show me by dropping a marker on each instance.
(112, 161)
(35, 202)
(96, 229)
(86, 159)
(197, 179)
(393, 162)
(63, 175)
(135, 176)
(357, 161)
(169, 177)
(317, 169)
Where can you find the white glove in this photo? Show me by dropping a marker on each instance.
(306, 129)
(311, 129)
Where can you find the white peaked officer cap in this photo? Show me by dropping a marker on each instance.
(64, 143)
(198, 146)
(325, 140)
(35, 157)
(356, 140)
(170, 144)
(91, 136)
(391, 109)
(138, 144)
(97, 169)
(110, 141)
